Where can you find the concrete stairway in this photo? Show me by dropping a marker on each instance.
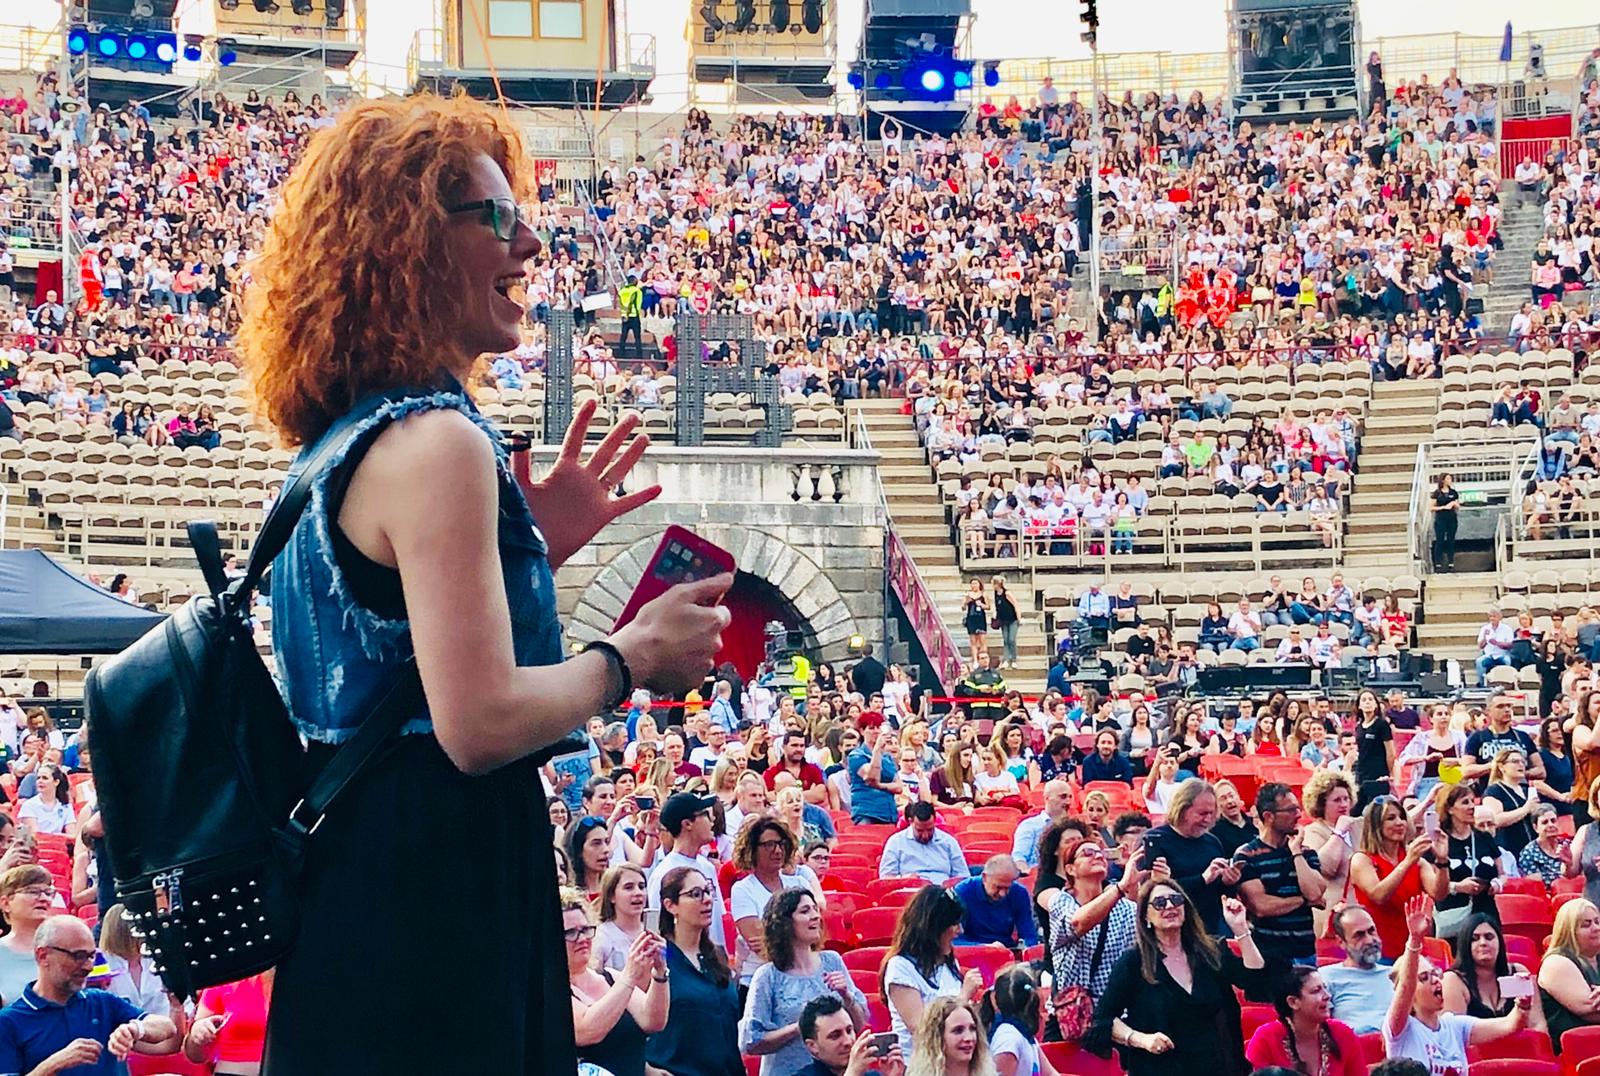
(917, 514)
(1457, 606)
(1399, 417)
(1520, 228)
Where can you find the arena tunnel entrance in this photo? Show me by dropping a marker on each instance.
(755, 603)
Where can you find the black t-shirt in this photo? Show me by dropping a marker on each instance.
(1233, 837)
(1403, 718)
(1372, 761)
(1047, 878)
(1484, 744)
(1446, 500)
(866, 676)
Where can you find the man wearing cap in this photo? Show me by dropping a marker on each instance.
(922, 850)
(687, 819)
(58, 1025)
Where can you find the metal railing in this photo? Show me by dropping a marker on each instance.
(1485, 472)
(902, 579)
(33, 223)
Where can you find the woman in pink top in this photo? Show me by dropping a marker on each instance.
(1303, 1038)
(230, 1026)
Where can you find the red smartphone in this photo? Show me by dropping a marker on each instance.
(682, 557)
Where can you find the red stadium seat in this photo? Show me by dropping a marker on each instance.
(837, 929)
(1522, 908)
(1527, 1043)
(866, 981)
(855, 878)
(173, 1064)
(1579, 1045)
(1506, 1066)
(878, 1015)
(1439, 951)
(875, 926)
(1532, 887)
(1070, 1059)
(1589, 1066)
(1253, 1016)
(867, 958)
(988, 959)
(898, 898)
(876, 888)
(850, 861)
(752, 1066)
(1372, 1050)
(1568, 885)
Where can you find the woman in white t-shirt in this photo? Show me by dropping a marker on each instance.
(1011, 1010)
(1417, 1026)
(764, 848)
(994, 783)
(48, 811)
(624, 894)
(921, 964)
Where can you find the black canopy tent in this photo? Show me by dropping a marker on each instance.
(45, 609)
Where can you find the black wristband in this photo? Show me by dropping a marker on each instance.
(620, 665)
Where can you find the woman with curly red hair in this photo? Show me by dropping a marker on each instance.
(388, 270)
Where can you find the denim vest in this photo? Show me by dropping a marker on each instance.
(335, 656)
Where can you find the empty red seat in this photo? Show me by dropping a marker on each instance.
(1579, 1045)
(876, 888)
(1253, 1016)
(988, 959)
(1522, 908)
(1507, 1066)
(1372, 1050)
(1532, 887)
(868, 958)
(1524, 1044)
(1070, 1059)
(874, 926)
(878, 1015)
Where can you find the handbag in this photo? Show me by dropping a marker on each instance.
(1075, 1005)
(200, 774)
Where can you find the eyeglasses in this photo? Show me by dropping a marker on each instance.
(1165, 901)
(1429, 976)
(699, 892)
(578, 934)
(1092, 850)
(775, 842)
(79, 956)
(33, 892)
(503, 213)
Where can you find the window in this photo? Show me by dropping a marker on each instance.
(510, 18)
(561, 18)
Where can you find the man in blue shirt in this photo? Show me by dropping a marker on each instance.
(58, 1026)
(1057, 805)
(874, 779)
(1107, 763)
(997, 907)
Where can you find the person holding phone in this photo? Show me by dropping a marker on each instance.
(837, 1047)
(1483, 982)
(393, 261)
(1418, 1025)
(229, 1028)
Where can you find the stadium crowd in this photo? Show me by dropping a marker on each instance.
(1011, 885)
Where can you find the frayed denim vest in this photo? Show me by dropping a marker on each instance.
(335, 656)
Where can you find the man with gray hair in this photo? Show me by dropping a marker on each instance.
(1057, 805)
(1359, 988)
(59, 1026)
(996, 907)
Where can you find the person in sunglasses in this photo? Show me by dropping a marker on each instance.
(1170, 1004)
(395, 259)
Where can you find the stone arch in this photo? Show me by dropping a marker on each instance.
(792, 572)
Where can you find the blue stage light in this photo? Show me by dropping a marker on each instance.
(933, 80)
(108, 45)
(78, 41)
(227, 51)
(881, 82)
(961, 80)
(191, 52)
(991, 76)
(167, 50)
(138, 47)
(856, 81)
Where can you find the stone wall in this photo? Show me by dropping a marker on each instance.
(825, 555)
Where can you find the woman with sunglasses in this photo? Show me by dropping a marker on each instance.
(1418, 1025)
(1090, 923)
(1169, 1004)
(613, 1012)
(1392, 865)
(921, 965)
(394, 259)
(701, 1037)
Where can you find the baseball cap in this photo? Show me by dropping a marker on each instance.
(682, 806)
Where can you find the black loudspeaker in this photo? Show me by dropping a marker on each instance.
(1435, 683)
(1220, 678)
(1342, 678)
(1277, 676)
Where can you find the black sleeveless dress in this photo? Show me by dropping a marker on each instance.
(621, 1052)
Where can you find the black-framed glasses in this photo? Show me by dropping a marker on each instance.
(502, 213)
(699, 892)
(1166, 900)
(578, 934)
(79, 956)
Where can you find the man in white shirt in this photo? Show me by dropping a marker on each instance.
(710, 753)
(1245, 627)
(687, 819)
(923, 850)
(1494, 643)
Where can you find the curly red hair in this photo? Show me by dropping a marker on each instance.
(344, 296)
